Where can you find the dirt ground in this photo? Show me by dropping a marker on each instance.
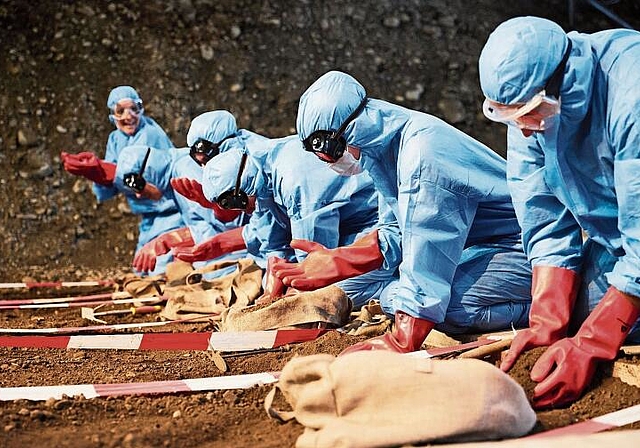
(59, 61)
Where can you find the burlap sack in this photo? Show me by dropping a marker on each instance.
(204, 298)
(370, 321)
(381, 399)
(140, 287)
(325, 306)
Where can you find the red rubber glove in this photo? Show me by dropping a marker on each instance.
(220, 244)
(553, 293)
(145, 258)
(86, 164)
(566, 368)
(273, 286)
(407, 335)
(192, 190)
(324, 266)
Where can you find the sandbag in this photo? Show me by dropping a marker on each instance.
(199, 299)
(324, 307)
(382, 399)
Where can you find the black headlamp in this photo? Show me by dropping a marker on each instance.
(204, 150)
(329, 146)
(134, 180)
(236, 198)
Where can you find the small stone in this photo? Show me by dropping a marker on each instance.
(391, 22)
(206, 52)
(26, 137)
(24, 411)
(177, 414)
(61, 129)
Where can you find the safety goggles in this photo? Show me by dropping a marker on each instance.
(535, 113)
(329, 146)
(531, 115)
(203, 150)
(236, 198)
(133, 107)
(134, 180)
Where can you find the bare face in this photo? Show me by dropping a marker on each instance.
(126, 114)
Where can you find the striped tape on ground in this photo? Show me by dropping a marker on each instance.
(31, 285)
(218, 341)
(597, 424)
(42, 393)
(108, 295)
(99, 328)
(37, 306)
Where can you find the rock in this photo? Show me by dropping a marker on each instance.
(391, 22)
(415, 93)
(27, 137)
(177, 414)
(452, 110)
(206, 52)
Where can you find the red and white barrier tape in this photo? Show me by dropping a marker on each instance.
(41, 393)
(109, 295)
(218, 341)
(597, 424)
(100, 328)
(31, 285)
(38, 306)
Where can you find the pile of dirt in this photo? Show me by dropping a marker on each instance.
(61, 59)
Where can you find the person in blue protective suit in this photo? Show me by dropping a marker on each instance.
(201, 223)
(319, 210)
(463, 267)
(572, 104)
(126, 112)
(209, 135)
(141, 176)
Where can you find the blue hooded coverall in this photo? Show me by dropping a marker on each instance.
(149, 133)
(581, 175)
(315, 203)
(462, 261)
(157, 217)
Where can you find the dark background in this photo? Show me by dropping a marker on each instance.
(59, 60)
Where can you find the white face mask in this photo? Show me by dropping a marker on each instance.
(347, 165)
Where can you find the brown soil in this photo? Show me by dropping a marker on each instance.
(60, 59)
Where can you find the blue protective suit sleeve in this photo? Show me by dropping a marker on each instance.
(267, 234)
(551, 236)
(389, 238)
(626, 130)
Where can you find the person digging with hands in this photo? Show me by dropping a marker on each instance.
(323, 208)
(572, 105)
(209, 135)
(463, 268)
(126, 112)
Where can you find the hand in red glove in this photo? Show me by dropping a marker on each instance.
(86, 164)
(273, 286)
(145, 258)
(567, 367)
(324, 266)
(220, 244)
(192, 190)
(553, 293)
